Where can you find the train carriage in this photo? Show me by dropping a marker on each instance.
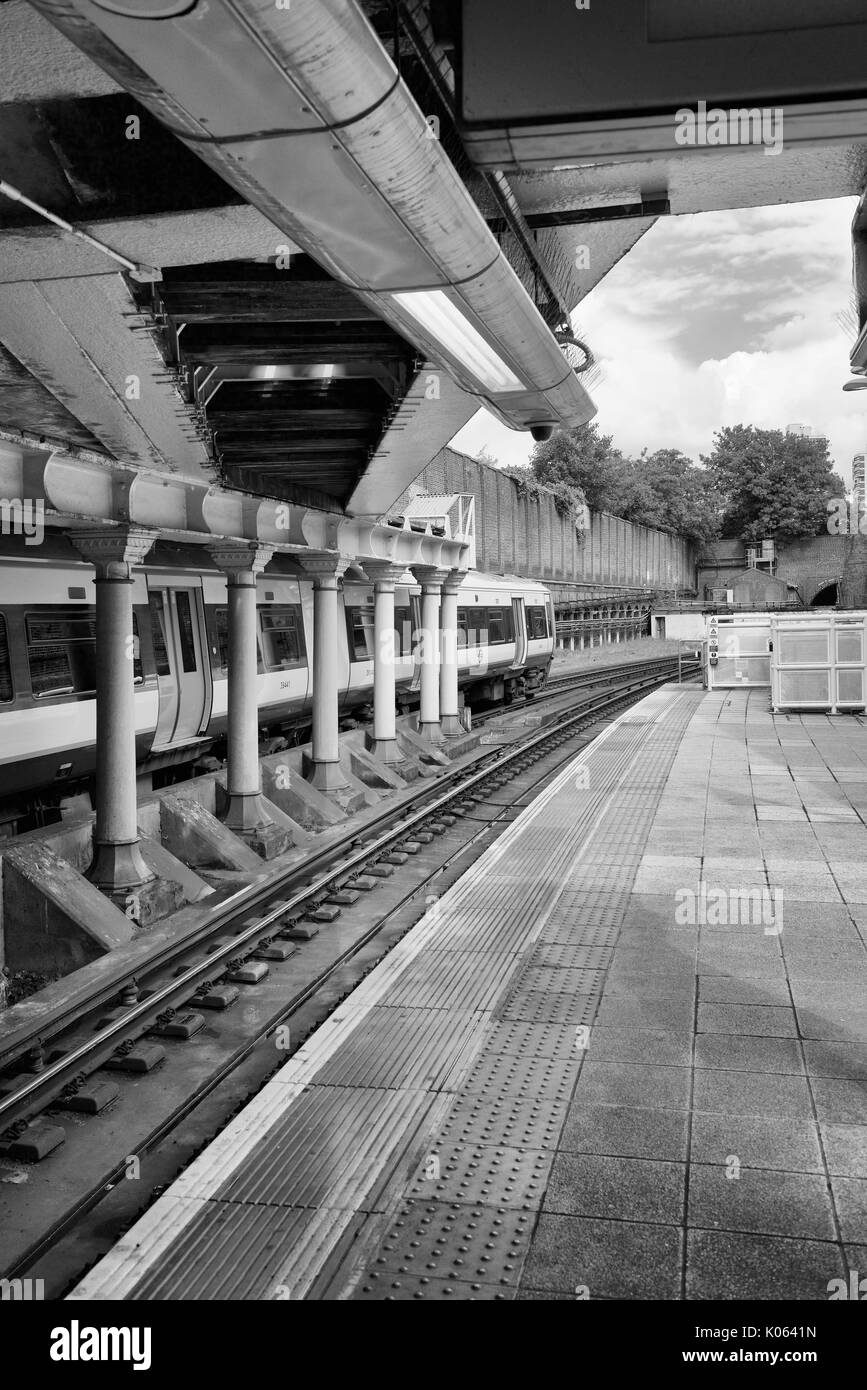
(179, 652)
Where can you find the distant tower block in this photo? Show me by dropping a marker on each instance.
(805, 431)
(858, 497)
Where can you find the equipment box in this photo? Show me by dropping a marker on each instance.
(738, 650)
(818, 662)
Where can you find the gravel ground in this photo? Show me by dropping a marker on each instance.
(640, 649)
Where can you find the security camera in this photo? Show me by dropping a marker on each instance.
(541, 432)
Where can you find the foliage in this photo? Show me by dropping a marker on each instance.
(568, 500)
(665, 491)
(771, 484)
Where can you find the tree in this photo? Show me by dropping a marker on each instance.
(666, 490)
(772, 485)
(671, 493)
(585, 460)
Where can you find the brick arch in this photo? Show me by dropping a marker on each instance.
(826, 594)
(811, 585)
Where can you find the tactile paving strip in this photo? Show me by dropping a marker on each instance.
(413, 1048)
(456, 1241)
(532, 1124)
(451, 980)
(571, 955)
(551, 1078)
(512, 1038)
(505, 933)
(549, 979)
(382, 1287)
(246, 1253)
(591, 919)
(299, 1165)
(541, 1006)
(494, 1175)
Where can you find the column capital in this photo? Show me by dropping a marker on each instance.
(451, 585)
(325, 570)
(383, 571)
(114, 550)
(241, 562)
(431, 577)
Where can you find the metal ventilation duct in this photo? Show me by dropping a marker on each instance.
(301, 110)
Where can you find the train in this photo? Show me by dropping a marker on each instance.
(180, 661)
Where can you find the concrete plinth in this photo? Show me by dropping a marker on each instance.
(284, 780)
(195, 836)
(54, 920)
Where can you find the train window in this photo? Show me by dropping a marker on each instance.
(187, 641)
(158, 633)
(359, 625)
(462, 627)
(282, 638)
(403, 628)
(537, 624)
(61, 651)
(221, 627)
(5, 664)
(500, 626)
(477, 626)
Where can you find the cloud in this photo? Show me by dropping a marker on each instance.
(715, 319)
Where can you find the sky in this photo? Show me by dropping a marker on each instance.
(719, 318)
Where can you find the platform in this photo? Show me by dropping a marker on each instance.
(624, 1056)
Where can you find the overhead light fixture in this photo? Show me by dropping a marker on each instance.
(444, 321)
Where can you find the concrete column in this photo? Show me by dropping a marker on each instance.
(325, 771)
(245, 813)
(431, 580)
(383, 742)
(118, 868)
(450, 720)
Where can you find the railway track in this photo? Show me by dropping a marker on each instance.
(51, 1063)
(578, 680)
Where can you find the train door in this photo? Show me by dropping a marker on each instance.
(415, 610)
(180, 652)
(519, 618)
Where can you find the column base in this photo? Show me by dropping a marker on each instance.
(451, 726)
(326, 777)
(386, 749)
(245, 813)
(119, 872)
(430, 731)
(247, 818)
(118, 867)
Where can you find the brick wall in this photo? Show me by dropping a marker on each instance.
(524, 536)
(811, 564)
